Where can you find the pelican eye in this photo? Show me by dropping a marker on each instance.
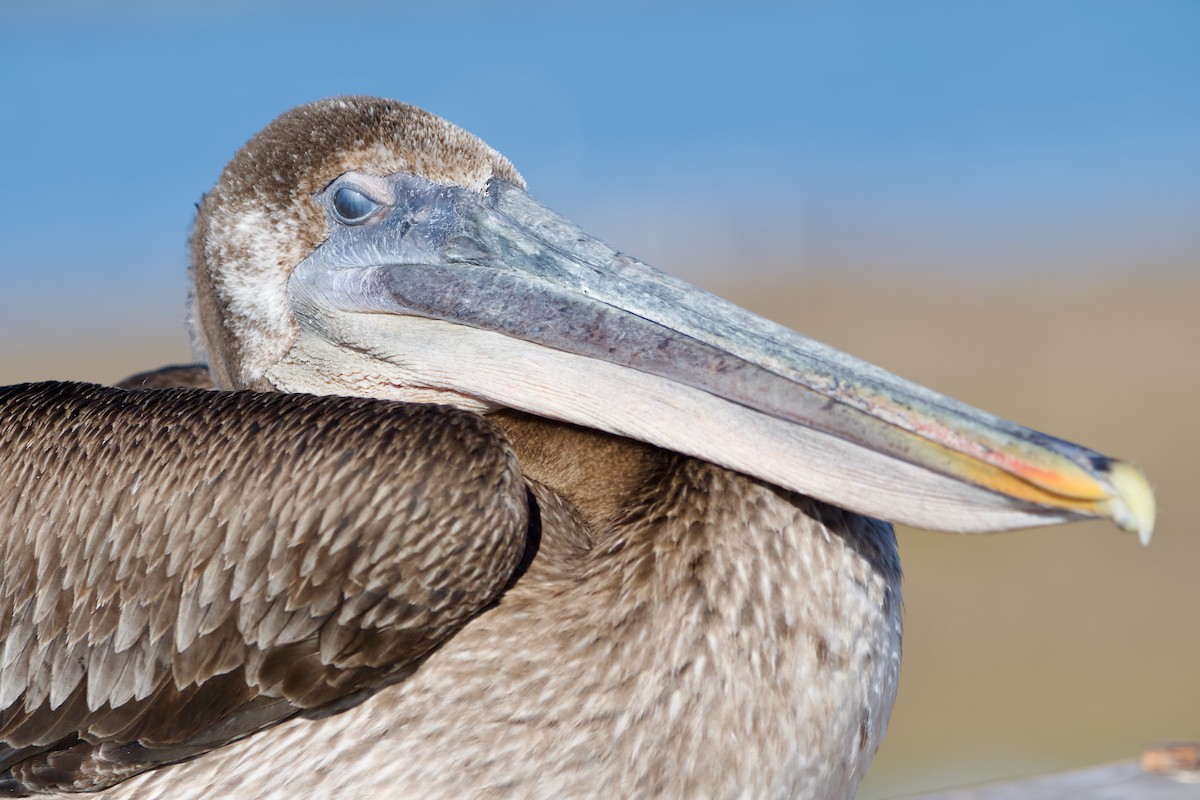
(352, 207)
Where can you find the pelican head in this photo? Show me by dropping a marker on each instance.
(363, 246)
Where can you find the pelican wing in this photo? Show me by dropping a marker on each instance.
(181, 568)
(176, 376)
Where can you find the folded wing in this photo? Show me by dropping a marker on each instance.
(182, 568)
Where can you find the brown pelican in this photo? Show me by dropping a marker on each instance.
(583, 529)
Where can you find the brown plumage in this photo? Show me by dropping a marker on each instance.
(179, 376)
(227, 604)
(564, 542)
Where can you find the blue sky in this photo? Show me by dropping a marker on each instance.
(952, 136)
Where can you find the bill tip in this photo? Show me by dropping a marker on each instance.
(1133, 500)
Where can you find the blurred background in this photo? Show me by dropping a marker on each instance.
(998, 199)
